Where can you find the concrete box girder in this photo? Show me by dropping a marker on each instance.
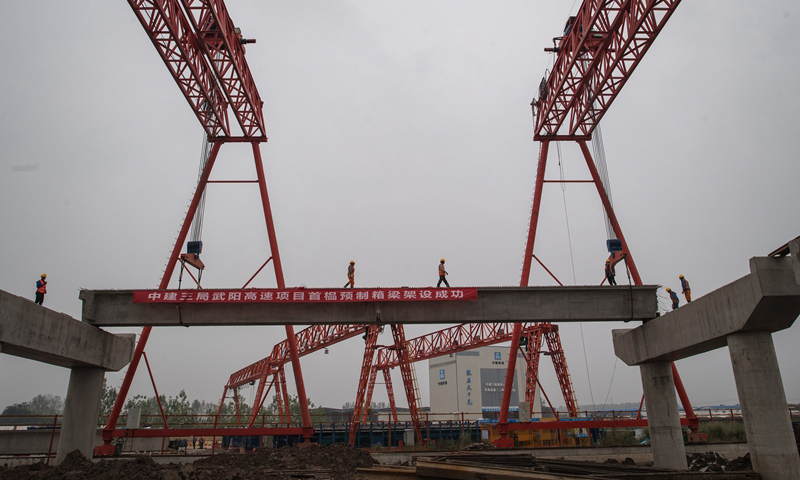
(35, 332)
(768, 299)
(494, 304)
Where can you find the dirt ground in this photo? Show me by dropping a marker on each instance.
(334, 462)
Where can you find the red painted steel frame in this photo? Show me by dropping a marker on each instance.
(291, 344)
(366, 365)
(595, 59)
(168, 28)
(398, 333)
(225, 51)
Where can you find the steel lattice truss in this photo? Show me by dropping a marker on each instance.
(467, 336)
(308, 340)
(168, 28)
(603, 46)
(204, 53)
(223, 46)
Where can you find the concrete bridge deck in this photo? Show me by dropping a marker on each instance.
(38, 333)
(115, 308)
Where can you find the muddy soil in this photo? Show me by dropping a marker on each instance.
(334, 462)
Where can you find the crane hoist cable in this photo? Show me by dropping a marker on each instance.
(197, 222)
(572, 262)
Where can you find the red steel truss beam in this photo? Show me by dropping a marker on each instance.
(454, 339)
(595, 59)
(168, 28)
(224, 49)
(309, 340)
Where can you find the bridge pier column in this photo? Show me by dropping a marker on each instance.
(764, 409)
(79, 427)
(663, 418)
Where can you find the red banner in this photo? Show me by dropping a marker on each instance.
(306, 295)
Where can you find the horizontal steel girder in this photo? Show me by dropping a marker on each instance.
(115, 308)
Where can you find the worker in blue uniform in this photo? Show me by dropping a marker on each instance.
(686, 289)
(674, 297)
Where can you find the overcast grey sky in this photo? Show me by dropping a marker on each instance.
(400, 132)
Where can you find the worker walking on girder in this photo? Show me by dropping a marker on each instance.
(351, 275)
(610, 273)
(687, 290)
(41, 289)
(442, 274)
(674, 297)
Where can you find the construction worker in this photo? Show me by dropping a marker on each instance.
(610, 273)
(674, 297)
(351, 275)
(41, 289)
(687, 290)
(442, 273)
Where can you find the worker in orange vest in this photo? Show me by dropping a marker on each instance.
(687, 290)
(610, 273)
(41, 289)
(442, 273)
(351, 275)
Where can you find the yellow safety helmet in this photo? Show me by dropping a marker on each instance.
(680, 276)
(608, 261)
(669, 289)
(442, 260)
(352, 262)
(44, 275)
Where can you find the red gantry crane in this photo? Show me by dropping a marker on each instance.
(460, 338)
(205, 54)
(599, 50)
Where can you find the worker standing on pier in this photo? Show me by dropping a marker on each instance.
(687, 290)
(442, 274)
(41, 289)
(351, 275)
(674, 297)
(610, 273)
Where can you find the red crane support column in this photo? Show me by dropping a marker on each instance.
(502, 424)
(366, 368)
(612, 217)
(308, 430)
(387, 378)
(398, 332)
(170, 269)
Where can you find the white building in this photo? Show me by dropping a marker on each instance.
(472, 382)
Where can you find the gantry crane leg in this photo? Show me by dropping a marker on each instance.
(408, 382)
(261, 395)
(373, 375)
(562, 373)
(387, 378)
(366, 366)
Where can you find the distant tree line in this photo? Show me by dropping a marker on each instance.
(179, 410)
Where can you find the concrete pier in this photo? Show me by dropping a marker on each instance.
(663, 418)
(81, 409)
(766, 415)
(115, 308)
